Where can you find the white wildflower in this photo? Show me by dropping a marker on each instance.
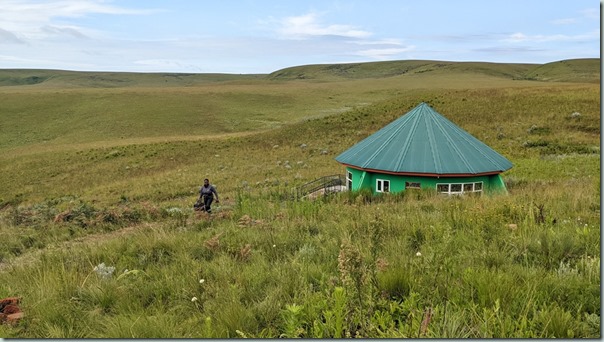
(103, 271)
(418, 254)
(201, 281)
(194, 299)
(174, 210)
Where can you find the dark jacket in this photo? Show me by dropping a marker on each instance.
(207, 191)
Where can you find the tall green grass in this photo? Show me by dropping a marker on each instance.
(307, 270)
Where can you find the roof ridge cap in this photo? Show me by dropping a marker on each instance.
(405, 148)
(433, 149)
(453, 146)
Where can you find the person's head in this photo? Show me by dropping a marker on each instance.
(206, 182)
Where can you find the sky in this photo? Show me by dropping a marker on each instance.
(262, 36)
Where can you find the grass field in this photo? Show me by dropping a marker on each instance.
(103, 168)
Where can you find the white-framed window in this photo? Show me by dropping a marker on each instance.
(382, 185)
(459, 188)
(349, 180)
(413, 185)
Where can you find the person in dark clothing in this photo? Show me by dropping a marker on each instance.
(206, 195)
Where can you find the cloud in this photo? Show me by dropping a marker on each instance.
(72, 31)
(167, 64)
(539, 38)
(386, 41)
(383, 54)
(508, 49)
(591, 13)
(9, 37)
(565, 21)
(308, 25)
(32, 19)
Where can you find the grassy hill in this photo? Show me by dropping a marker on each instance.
(96, 176)
(62, 78)
(574, 70)
(49, 107)
(397, 68)
(577, 70)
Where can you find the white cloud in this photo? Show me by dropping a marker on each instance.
(29, 19)
(565, 21)
(167, 64)
(382, 54)
(591, 13)
(387, 41)
(72, 31)
(539, 38)
(9, 37)
(308, 25)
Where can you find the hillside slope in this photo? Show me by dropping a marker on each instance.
(63, 78)
(574, 70)
(571, 70)
(397, 68)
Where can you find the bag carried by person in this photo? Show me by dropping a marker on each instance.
(199, 206)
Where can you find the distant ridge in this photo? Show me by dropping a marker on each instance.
(18, 77)
(572, 70)
(397, 68)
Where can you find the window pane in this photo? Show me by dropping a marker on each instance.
(442, 187)
(379, 186)
(412, 185)
(467, 187)
(478, 186)
(386, 186)
(455, 187)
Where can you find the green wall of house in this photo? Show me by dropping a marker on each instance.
(398, 183)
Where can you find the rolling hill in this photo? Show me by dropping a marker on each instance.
(64, 78)
(573, 70)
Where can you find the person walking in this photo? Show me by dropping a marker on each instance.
(206, 195)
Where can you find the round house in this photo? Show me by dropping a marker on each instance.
(423, 150)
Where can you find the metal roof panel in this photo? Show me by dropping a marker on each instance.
(424, 141)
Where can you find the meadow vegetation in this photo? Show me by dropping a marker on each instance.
(100, 239)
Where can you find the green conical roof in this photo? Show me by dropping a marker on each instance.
(424, 142)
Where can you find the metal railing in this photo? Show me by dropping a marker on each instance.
(325, 183)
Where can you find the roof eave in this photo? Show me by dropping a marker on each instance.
(425, 174)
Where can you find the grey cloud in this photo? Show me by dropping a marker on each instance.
(69, 31)
(9, 37)
(457, 38)
(507, 49)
